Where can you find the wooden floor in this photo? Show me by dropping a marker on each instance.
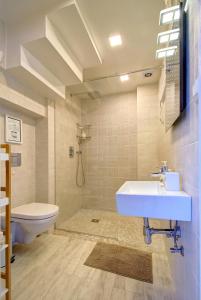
(51, 268)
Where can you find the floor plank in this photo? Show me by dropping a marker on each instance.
(52, 267)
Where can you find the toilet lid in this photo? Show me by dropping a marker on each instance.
(34, 211)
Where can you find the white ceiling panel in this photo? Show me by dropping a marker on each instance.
(74, 31)
(137, 23)
(112, 85)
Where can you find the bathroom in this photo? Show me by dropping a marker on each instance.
(92, 108)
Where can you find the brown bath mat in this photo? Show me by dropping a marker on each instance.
(123, 261)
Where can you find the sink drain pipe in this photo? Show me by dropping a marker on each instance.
(172, 232)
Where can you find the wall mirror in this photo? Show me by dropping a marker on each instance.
(174, 93)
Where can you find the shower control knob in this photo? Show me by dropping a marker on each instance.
(71, 152)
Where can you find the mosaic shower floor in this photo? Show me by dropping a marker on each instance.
(109, 226)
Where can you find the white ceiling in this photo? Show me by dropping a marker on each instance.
(138, 23)
(15, 10)
(112, 85)
(70, 26)
(135, 20)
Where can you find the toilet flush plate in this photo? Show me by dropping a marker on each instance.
(150, 199)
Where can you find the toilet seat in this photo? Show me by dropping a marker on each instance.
(34, 211)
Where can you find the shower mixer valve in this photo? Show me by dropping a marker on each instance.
(71, 151)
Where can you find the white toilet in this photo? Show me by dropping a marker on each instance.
(29, 220)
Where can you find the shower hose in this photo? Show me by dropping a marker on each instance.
(80, 165)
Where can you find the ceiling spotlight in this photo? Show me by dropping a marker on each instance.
(168, 36)
(166, 52)
(124, 77)
(115, 40)
(148, 74)
(169, 15)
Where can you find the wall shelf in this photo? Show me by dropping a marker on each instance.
(3, 247)
(83, 138)
(4, 156)
(4, 202)
(3, 292)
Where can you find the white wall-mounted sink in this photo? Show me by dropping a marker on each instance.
(150, 199)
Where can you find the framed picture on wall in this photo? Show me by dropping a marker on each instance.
(13, 130)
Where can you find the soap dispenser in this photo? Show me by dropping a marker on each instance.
(164, 166)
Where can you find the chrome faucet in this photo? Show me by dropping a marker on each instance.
(163, 169)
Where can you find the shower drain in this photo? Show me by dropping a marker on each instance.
(95, 220)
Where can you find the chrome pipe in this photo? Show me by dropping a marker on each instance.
(171, 232)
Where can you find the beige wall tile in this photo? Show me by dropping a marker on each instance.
(110, 156)
(147, 131)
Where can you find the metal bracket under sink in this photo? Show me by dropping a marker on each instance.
(172, 232)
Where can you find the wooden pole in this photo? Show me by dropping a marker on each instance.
(7, 223)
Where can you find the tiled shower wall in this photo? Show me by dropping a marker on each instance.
(180, 147)
(123, 146)
(147, 131)
(110, 157)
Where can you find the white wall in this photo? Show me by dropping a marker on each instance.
(23, 177)
(45, 156)
(34, 180)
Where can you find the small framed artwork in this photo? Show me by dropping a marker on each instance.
(13, 130)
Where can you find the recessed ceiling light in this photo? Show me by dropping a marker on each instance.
(115, 40)
(124, 77)
(168, 36)
(148, 74)
(169, 15)
(166, 52)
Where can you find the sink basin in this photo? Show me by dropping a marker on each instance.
(150, 199)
